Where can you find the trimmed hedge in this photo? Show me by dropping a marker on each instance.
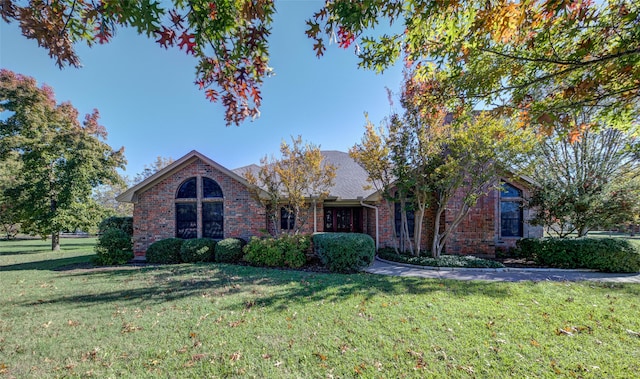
(114, 247)
(229, 250)
(603, 254)
(287, 251)
(115, 222)
(344, 252)
(165, 251)
(198, 250)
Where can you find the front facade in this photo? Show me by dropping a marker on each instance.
(196, 197)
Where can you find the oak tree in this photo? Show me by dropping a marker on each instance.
(62, 159)
(540, 57)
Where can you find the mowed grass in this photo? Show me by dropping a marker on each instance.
(211, 320)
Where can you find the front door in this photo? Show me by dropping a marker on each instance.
(343, 220)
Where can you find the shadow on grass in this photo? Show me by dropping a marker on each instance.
(40, 251)
(276, 289)
(48, 264)
(18, 248)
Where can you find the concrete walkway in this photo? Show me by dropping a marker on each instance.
(382, 267)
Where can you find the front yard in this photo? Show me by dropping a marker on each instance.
(61, 318)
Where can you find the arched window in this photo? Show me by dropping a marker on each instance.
(209, 222)
(511, 217)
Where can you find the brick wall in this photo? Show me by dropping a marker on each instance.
(154, 210)
(478, 233)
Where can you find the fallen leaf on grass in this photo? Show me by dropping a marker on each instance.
(467, 369)
(266, 356)
(635, 334)
(235, 356)
(322, 357)
(128, 328)
(73, 323)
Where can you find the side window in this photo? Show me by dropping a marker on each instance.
(287, 219)
(411, 218)
(511, 215)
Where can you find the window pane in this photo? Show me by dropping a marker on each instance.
(211, 189)
(287, 219)
(186, 220)
(411, 219)
(510, 191)
(188, 190)
(510, 219)
(212, 220)
(328, 220)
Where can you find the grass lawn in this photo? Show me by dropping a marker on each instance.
(59, 318)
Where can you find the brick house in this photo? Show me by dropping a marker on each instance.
(196, 197)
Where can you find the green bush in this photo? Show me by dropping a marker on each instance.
(468, 261)
(294, 249)
(603, 254)
(344, 252)
(198, 250)
(165, 251)
(229, 250)
(123, 223)
(263, 252)
(114, 247)
(287, 251)
(527, 247)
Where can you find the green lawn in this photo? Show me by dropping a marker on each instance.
(59, 318)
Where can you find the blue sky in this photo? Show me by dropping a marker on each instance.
(149, 104)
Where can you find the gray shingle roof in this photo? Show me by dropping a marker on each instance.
(350, 179)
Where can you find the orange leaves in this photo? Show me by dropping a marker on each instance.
(211, 95)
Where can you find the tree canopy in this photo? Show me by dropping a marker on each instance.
(430, 155)
(540, 57)
(61, 159)
(586, 181)
(296, 180)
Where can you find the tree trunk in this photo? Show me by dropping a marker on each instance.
(435, 246)
(55, 241)
(582, 231)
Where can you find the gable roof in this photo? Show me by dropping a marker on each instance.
(351, 178)
(129, 196)
(349, 182)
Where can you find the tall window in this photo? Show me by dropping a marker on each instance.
(511, 217)
(287, 219)
(411, 218)
(210, 222)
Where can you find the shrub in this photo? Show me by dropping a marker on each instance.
(344, 252)
(527, 247)
(603, 254)
(294, 249)
(468, 261)
(123, 223)
(165, 251)
(114, 247)
(229, 250)
(287, 251)
(263, 252)
(198, 250)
